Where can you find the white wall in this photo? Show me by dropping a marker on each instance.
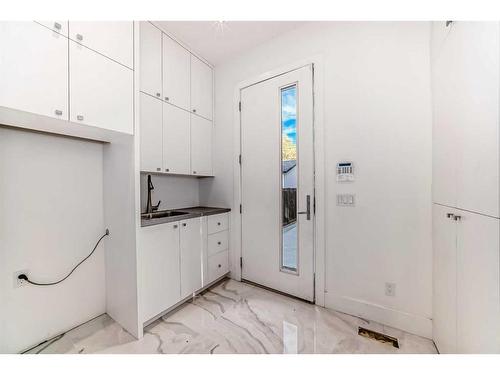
(173, 191)
(51, 215)
(377, 114)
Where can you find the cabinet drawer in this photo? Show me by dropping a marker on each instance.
(217, 223)
(217, 265)
(217, 242)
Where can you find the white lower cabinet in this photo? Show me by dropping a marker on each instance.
(191, 255)
(33, 69)
(217, 253)
(159, 270)
(466, 304)
(218, 265)
(101, 90)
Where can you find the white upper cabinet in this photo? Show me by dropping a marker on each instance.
(101, 90)
(150, 59)
(113, 39)
(201, 146)
(465, 72)
(191, 255)
(33, 69)
(201, 88)
(60, 27)
(176, 73)
(151, 133)
(176, 140)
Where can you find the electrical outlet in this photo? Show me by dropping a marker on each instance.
(18, 282)
(390, 289)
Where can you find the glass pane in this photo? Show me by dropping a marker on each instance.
(289, 177)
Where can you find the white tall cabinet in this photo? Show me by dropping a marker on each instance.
(466, 225)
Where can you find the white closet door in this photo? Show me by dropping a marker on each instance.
(444, 317)
(176, 73)
(201, 88)
(159, 268)
(113, 39)
(201, 146)
(478, 298)
(33, 69)
(151, 133)
(176, 140)
(60, 27)
(150, 59)
(101, 90)
(191, 255)
(476, 88)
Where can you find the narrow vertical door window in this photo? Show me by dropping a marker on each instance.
(289, 169)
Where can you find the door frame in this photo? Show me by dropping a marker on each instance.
(319, 172)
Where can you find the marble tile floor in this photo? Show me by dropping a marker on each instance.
(234, 317)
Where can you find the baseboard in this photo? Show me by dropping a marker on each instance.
(404, 321)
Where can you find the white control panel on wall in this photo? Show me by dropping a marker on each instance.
(345, 200)
(345, 171)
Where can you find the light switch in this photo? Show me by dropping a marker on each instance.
(345, 200)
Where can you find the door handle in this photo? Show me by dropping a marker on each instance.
(308, 208)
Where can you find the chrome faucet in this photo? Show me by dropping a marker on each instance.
(150, 208)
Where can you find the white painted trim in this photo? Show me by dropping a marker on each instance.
(319, 236)
(418, 325)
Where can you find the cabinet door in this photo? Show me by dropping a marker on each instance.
(476, 86)
(33, 69)
(113, 39)
(191, 254)
(478, 319)
(101, 90)
(201, 146)
(150, 59)
(201, 88)
(176, 73)
(176, 140)
(60, 27)
(159, 257)
(444, 317)
(444, 132)
(151, 133)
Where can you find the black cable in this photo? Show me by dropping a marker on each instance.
(25, 277)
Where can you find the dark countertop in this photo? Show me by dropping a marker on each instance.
(191, 212)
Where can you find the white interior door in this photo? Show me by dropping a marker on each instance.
(277, 183)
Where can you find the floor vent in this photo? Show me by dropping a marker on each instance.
(380, 337)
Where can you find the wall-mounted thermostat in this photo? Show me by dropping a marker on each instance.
(345, 171)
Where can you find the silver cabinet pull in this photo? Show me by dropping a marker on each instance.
(218, 223)
(449, 215)
(79, 118)
(219, 265)
(184, 224)
(158, 169)
(58, 112)
(194, 172)
(158, 94)
(175, 226)
(167, 170)
(166, 98)
(194, 110)
(218, 243)
(79, 37)
(457, 218)
(57, 25)
(308, 208)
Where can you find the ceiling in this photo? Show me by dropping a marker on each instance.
(217, 41)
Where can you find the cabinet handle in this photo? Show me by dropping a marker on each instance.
(58, 112)
(218, 223)
(218, 243)
(449, 215)
(167, 170)
(166, 98)
(183, 224)
(175, 226)
(194, 110)
(57, 25)
(457, 218)
(79, 118)
(219, 265)
(194, 172)
(158, 169)
(158, 94)
(79, 37)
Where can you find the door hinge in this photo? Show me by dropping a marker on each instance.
(239, 106)
(241, 209)
(239, 159)
(241, 262)
(314, 204)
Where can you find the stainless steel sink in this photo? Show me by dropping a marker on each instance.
(160, 214)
